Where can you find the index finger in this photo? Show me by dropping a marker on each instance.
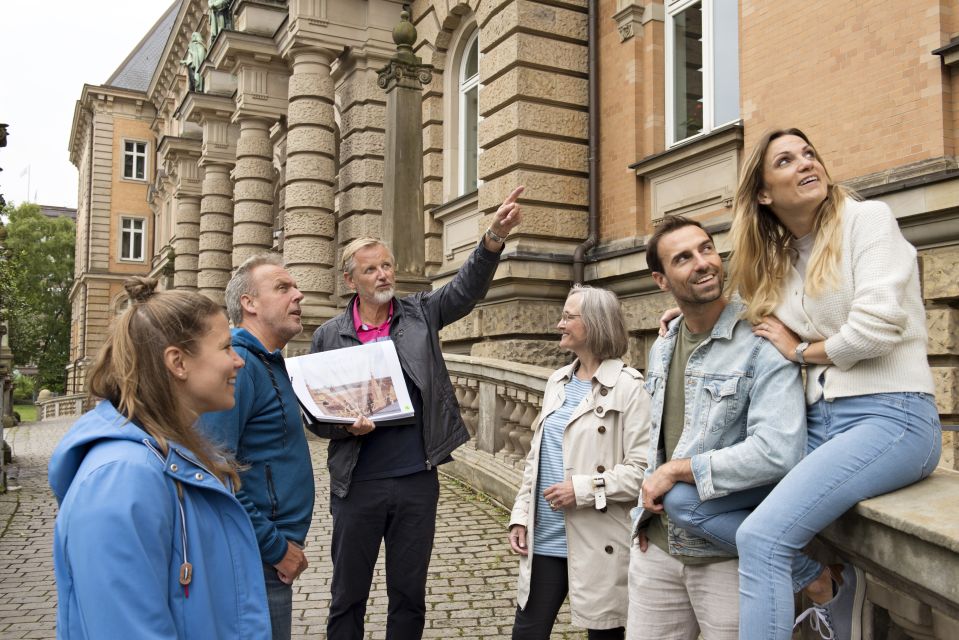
(511, 198)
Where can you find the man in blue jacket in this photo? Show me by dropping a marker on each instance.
(264, 429)
(383, 479)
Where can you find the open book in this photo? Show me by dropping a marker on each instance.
(344, 384)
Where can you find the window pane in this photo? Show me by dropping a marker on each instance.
(141, 162)
(470, 122)
(128, 147)
(137, 224)
(142, 147)
(138, 247)
(688, 72)
(125, 245)
(127, 166)
(471, 66)
(726, 61)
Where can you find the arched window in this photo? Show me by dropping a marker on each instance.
(468, 115)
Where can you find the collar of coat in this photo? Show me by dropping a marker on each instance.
(606, 374)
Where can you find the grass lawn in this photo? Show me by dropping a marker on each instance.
(28, 412)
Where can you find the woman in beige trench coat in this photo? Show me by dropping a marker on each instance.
(570, 523)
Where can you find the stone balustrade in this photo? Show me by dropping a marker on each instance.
(907, 542)
(57, 406)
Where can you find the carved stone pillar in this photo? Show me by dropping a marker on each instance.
(403, 79)
(309, 225)
(253, 191)
(183, 154)
(251, 56)
(216, 230)
(186, 244)
(217, 157)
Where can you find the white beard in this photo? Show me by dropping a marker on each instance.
(382, 297)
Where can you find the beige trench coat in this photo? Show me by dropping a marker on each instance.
(608, 435)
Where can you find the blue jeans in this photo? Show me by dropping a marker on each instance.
(279, 598)
(859, 447)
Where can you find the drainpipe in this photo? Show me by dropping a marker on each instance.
(592, 39)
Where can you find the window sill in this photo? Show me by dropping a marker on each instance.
(696, 178)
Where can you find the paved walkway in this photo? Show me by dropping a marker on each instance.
(470, 590)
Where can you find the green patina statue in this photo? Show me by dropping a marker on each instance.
(219, 17)
(195, 55)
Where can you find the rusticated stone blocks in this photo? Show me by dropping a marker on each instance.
(543, 353)
(939, 280)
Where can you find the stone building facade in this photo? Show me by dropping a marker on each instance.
(283, 146)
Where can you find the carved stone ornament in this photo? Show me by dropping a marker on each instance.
(405, 69)
(627, 18)
(397, 73)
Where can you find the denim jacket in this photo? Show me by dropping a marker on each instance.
(745, 415)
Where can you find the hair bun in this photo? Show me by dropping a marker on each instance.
(140, 289)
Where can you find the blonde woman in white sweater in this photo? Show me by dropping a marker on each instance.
(833, 284)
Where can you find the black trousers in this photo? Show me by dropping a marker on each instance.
(402, 512)
(549, 585)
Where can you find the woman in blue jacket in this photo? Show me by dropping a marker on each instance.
(150, 541)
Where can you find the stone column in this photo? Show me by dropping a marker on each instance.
(186, 244)
(217, 157)
(403, 79)
(253, 192)
(309, 225)
(182, 156)
(361, 105)
(216, 230)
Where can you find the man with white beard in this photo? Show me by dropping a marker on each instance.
(383, 481)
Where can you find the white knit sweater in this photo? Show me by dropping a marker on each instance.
(874, 322)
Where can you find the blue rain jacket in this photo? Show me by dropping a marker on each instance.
(119, 540)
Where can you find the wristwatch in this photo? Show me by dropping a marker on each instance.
(495, 238)
(800, 350)
(599, 492)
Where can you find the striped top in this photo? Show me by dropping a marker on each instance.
(550, 527)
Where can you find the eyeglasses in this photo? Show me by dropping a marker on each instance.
(566, 317)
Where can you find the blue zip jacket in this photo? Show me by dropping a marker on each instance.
(118, 542)
(277, 489)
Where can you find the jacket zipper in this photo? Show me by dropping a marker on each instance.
(271, 489)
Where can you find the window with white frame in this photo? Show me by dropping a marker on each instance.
(468, 116)
(702, 67)
(132, 234)
(134, 160)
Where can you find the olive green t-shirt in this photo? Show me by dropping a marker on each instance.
(671, 430)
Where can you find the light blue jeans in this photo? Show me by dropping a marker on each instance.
(859, 447)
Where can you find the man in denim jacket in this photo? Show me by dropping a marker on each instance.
(724, 429)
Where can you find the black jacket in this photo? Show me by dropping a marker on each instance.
(417, 320)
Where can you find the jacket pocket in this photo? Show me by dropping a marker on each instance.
(722, 405)
(271, 491)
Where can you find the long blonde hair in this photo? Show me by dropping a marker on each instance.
(131, 373)
(761, 255)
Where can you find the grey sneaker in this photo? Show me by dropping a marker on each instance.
(845, 609)
(841, 617)
(819, 620)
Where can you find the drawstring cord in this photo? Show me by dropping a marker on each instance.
(186, 569)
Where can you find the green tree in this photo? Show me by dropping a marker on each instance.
(35, 289)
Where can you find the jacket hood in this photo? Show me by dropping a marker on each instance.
(245, 339)
(103, 423)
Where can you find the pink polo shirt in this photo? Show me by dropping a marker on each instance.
(367, 333)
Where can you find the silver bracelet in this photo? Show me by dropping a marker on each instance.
(495, 238)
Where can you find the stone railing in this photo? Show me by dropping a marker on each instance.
(907, 542)
(56, 406)
(499, 401)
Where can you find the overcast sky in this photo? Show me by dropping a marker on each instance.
(48, 51)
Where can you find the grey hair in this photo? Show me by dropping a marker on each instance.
(606, 335)
(347, 262)
(242, 283)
